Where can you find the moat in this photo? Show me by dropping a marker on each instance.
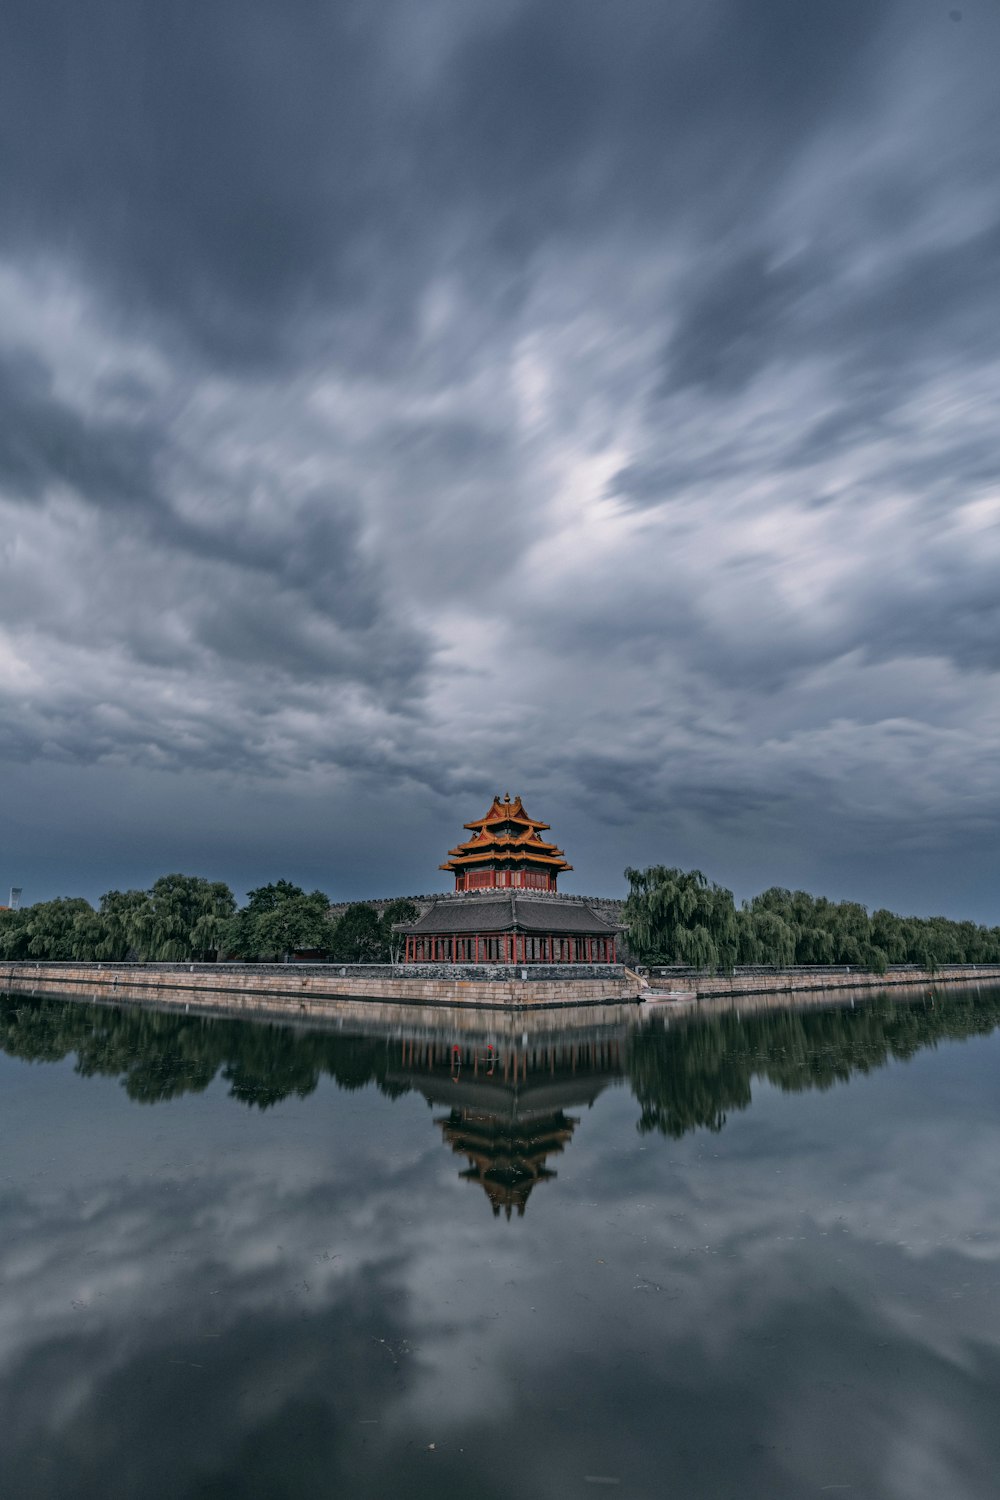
(740, 1254)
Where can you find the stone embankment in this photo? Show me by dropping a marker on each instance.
(689, 984)
(310, 989)
(321, 990)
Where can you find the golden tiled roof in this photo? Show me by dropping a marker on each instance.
(506, 812)
(493, 838)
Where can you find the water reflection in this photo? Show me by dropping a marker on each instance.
(508, 1105)
(505, 1079)
(759, 1257)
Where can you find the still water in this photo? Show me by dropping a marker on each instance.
(734, 1256)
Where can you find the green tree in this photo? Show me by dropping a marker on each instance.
(88, 936)
(52, 927)
(402, 910)
(278, 919)
(125, 917)
(678, 916)
(359, 936)
(182, 919)
(14, 935)
(766, 937)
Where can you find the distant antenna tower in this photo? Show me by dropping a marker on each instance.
(15, 897)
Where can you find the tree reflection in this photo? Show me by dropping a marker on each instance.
(686, 1073)
(690, 1076)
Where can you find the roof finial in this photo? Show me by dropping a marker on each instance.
(506, 796)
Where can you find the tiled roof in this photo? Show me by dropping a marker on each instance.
(506, 810)
(508, 913)
(519, 839)
(506, 855)
(558, 916)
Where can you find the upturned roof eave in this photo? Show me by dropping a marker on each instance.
(494, 857)
(525, 840)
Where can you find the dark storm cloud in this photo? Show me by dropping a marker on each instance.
(565, 109)
(114, 464)
(299, 598)
(210, 162)
(238, 165)
(757, 308)
(597, 393)
(43, 441)
(736, 324)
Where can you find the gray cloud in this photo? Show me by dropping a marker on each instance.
(44, 442)
(593, 398)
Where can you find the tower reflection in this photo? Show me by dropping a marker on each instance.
(508, 1101)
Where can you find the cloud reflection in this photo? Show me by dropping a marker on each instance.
(204, 1296)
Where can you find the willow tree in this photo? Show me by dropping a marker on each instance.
(180, 917)
(681, 917)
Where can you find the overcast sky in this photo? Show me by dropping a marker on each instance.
(401, 403)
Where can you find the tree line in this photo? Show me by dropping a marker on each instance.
(672, 916)
(681, 917)
(183, 917)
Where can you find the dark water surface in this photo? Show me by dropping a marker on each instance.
(741, 1256)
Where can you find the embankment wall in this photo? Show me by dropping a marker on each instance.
(803, 980)
(320, 990)
(309, 989)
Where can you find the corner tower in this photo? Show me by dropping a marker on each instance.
(506, 851)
